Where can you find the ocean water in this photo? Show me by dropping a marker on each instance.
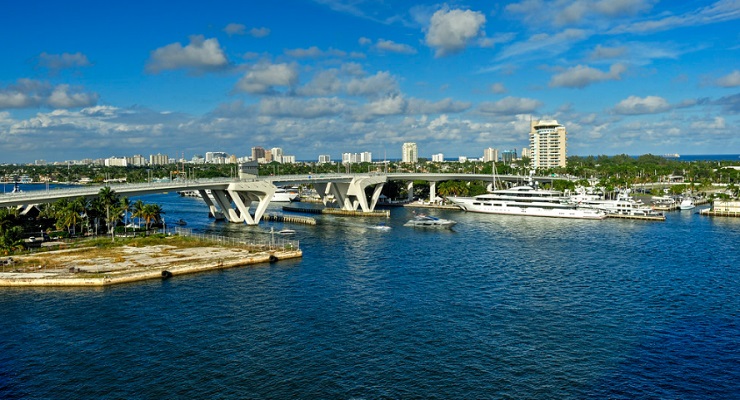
(500, 307)
(710, 157)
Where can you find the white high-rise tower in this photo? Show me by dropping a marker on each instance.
(409, 153)
(547, 144)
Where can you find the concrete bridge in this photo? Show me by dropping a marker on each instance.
(233, 198)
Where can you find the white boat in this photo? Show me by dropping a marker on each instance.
(283, 195)
(382, 227)
(286, 232)
(527, 201)
(687, 204)
(190, 193)
(426, 221)
(624, 204)
(664, 201)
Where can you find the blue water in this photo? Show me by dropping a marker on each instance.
(710, 157)
(501, 307)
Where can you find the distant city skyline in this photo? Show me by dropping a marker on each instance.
(323, 77)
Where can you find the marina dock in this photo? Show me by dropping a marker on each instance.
(295, 219)
(640, 217)
(719, 213)
(337, 211)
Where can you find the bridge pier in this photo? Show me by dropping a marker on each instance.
(242, 195)
(351, 195)
(213, 210)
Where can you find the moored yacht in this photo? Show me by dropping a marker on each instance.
(527, 201)
(283, 195)
(624, 204)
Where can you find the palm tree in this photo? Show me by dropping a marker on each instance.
(125, 207)
(10, 239)
(157, 212)
(152, 213)
(108, 198)
(452, 188)
(78, 208)
(137, 210)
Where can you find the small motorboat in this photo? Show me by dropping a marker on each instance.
(426, 221)
(286, 232)
(382, 227)
(181, 222)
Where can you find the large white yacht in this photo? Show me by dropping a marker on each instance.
(526, 200)
(283, 195)
(624, 204)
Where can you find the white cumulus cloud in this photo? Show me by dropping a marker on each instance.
(731, 80)
(235, 29)
(391, 105)
(259, 32)
(263, 78)
(27, 93)
(393, 47)
(63, 97)
(380, 84)
(581, 76)
(634, 105)
(63, 61)
(299, 108)
(200, 55)
(450, 31)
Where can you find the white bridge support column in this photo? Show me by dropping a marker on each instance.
(241, 195)
(245, 193)
(324, 190)
(432, 191)
(355, 195)
(215, 212)
(351, 195)
(410, 190)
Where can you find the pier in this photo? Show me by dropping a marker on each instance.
(640, 217)
(337, 211)
(290, 219)
(719, 213)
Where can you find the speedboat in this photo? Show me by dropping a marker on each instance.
(286, 232)
(687, 204)
(382, 227)
(426, 221)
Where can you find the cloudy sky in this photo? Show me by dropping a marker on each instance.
(90, 79)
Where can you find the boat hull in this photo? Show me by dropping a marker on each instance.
(530, 211)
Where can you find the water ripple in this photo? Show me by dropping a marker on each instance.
(502, 307)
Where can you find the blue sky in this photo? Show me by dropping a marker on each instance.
(85, 79)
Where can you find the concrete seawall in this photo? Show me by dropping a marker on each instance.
(154, 271)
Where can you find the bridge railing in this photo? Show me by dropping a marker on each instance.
(87, 190)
